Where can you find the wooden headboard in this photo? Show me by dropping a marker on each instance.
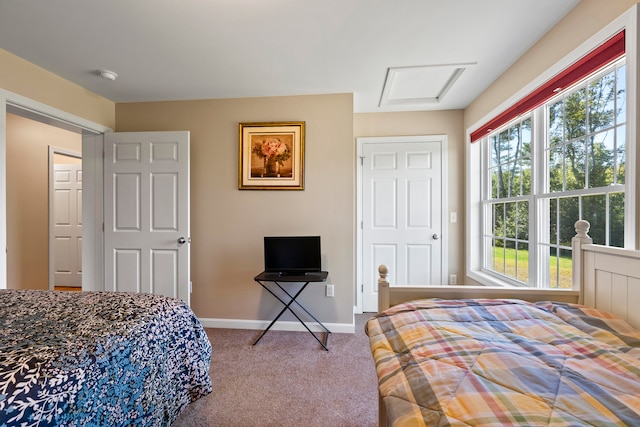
(604, 277)
(610, 280)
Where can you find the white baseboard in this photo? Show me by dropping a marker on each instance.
(281, 325)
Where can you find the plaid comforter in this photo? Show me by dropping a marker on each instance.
(505, 362)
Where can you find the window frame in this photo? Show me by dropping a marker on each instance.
(539, 243)
(476, 156)
(487, 200)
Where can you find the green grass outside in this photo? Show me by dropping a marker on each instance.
(505, 261)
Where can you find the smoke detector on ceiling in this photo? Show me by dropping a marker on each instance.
(107, 75)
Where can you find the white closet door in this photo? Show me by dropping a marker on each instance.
(402, 215)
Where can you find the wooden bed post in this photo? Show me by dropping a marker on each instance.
(581, 238)
(383, 288)
(383, 304)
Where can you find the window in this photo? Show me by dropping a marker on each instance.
(563, 161)
(507, 206)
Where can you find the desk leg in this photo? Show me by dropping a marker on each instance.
(322, 342)
(287, 306)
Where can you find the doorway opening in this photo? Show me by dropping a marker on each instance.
(24, 264)
(27, 177)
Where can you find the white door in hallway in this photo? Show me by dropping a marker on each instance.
(67, 225)
(402, 205)
(146, 196)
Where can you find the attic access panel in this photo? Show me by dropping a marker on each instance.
(420, 85)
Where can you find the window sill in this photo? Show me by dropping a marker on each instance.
(485, 279)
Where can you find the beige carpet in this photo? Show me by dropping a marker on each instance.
(287, 379)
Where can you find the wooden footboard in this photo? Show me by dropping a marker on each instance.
(603, 277)
(610, 279)
(392, 295)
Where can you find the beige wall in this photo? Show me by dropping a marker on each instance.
(27, 198)
(28, 80)
(430, 123)
(61, 159)
(581, 23)
(228, 225)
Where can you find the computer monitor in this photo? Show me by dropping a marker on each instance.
(292, 254)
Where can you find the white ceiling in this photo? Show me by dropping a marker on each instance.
(393, 55)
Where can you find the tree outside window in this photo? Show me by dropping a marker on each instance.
(584, 147)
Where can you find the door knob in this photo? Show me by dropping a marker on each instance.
(182, 240)
(435, 237)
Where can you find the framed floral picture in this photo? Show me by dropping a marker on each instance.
(271, 156)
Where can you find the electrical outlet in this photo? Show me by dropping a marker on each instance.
(329, 291)
(453, 279)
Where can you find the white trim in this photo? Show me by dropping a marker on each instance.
(63, 119)
(280, 325)
(359, 279)
(474, 211)
(446, 223)
(92, 213)
(444, 170)
(3, 189)
(632, 43)
(44, 110)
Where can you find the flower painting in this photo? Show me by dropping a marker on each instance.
(271, 156)
(274, 151)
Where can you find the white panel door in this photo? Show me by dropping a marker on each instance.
(67, 224)
(146, 192)
(401, 215)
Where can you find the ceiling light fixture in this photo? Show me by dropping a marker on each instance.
(108, 75)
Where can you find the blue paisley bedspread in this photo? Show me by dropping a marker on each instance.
(98, 359)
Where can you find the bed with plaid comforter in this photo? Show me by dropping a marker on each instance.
(505, 362)
(98, 359)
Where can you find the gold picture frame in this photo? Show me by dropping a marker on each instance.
(271, 156)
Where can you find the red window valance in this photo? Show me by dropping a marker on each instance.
(604, 54)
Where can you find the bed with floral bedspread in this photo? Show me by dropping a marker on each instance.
(98, 359)
(505, 363)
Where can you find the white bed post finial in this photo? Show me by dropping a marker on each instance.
(383, 288)
(582, 229)
(581, 238)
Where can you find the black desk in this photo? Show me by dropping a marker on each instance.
(278, 278)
